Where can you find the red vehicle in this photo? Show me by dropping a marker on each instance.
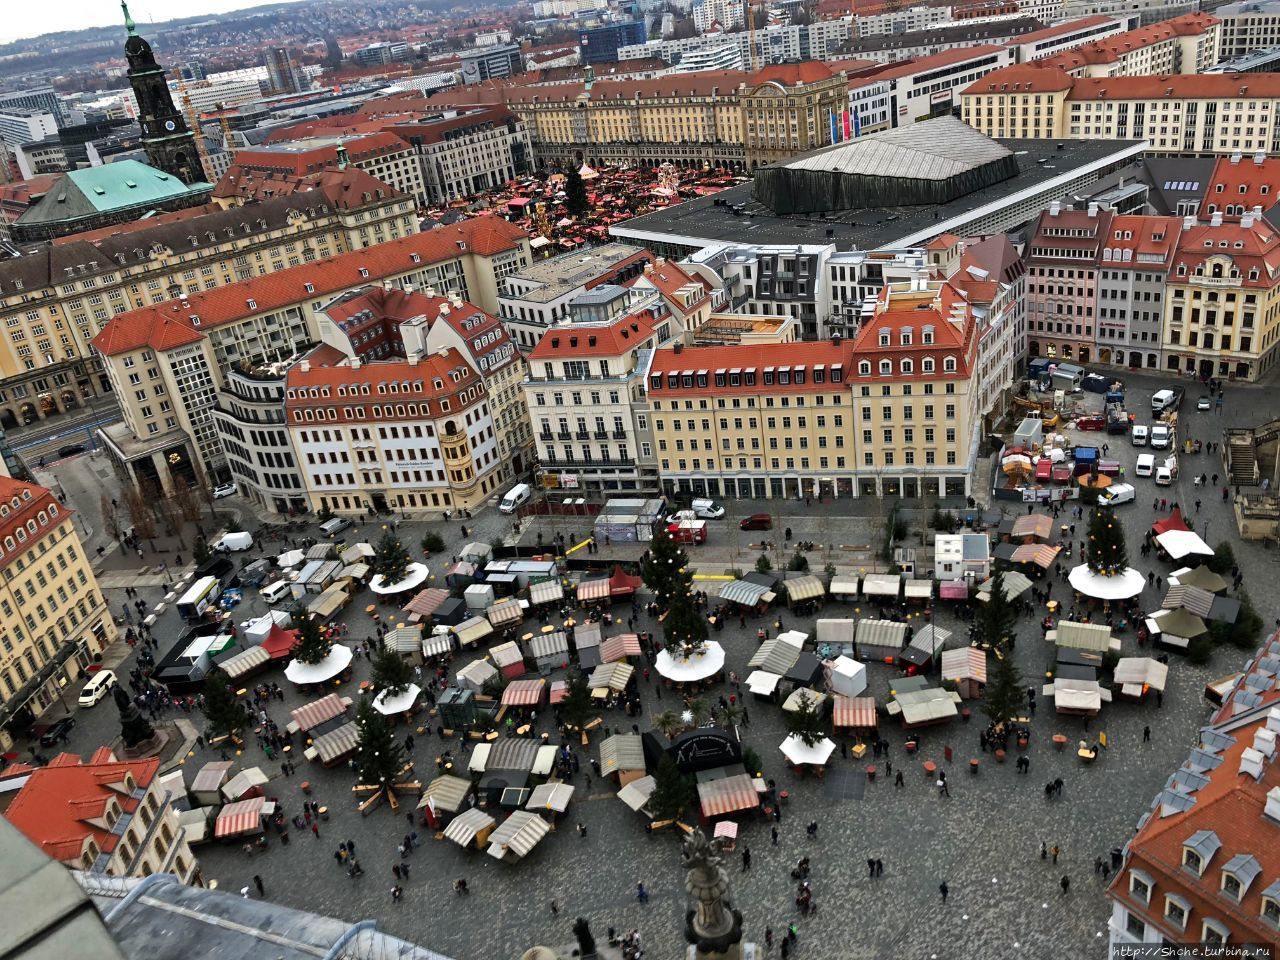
(1044, 468)
(1062, 473)
(757, 521)
(688, 531)
(1092, 422)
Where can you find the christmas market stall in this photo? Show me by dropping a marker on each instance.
(1137, 676)
(443, 798)
(470, 828)
(622, 757)
(509, 659)
(722, 796)
(920, 705)
(476, 674)
(966, 667)
(516, 836)
(636, 794)
(881, 639)
(240, 819)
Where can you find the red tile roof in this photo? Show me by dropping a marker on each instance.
(54, 807)
(1111, 49)
(1024, 78)
(1259, 248)
(792, 74)
(1147, 237)
(670, 280)
(1260, 183)
(321, 155)
(758, 357)
(1189, 86)
(632, 332)
(168, 325)
(344, 189)
(27, 504)
(898, 311)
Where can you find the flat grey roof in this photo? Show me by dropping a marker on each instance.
(708, 220)
(564, 274)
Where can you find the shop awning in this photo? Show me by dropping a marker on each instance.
(1138, 672)
(550, 796)
(524, 693)
(244, 783)
(436, 644)
(1189, 598)
(621, 583)
(246, 661)
(548, 591)
(803, 588)
(844, 586)
(622, 751)
(328, 603)
(476, 674)
(237, 819)
(447, 792)
(881, 585)
(613, 676)
(426, 602)
(953, 590)
(505, 611)
(212, 776)
(463, 828)
(512, 753)
(918, 589)
(1095, 637)
(403, 639)
(316, 712)
(637, 793)
(517, 835)
(858, 712)
(280, 642)
(727, 795)
(473, 630)
(337, 744)
(1036, 525)
(1183, 543)
(777, 655)
(1173, 521)
(743, 592)
(546, 646)
(619, 647)
(887, 634)
(594, 589)
(506, 654)
(966, 663)
(1041, 554)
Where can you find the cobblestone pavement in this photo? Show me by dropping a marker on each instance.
(983, 841)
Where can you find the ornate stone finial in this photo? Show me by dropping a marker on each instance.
(128, 20)
(713, 925)
(342, 155)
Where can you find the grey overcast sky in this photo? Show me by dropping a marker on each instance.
(26, 19)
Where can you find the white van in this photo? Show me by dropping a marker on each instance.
(97, 688)
(331, 528)
(1140, 435)
(1161, 400)
(273, 592)
(515, 496)
(1146, 465)
(707, 509)
(235, 541)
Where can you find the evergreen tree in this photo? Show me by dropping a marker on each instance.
(799, 562)
(665, 571)
(673, 791)
(312, 646)
(1002, 696)
(392, 673)
(806, 721)
(200, 551)
(576, 707)
(660, 566)
(994, 620)
(379, 756)
(763, 564)
(1107, 554)
(390, 559)
(224, 712)
(684, 628)
(575, 194)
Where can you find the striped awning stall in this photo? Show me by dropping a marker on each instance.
(241, 817)
(212, 776)
(463, 828)
(616, 648)
(743, 591)
(506, 654)
(549, 645)
(473, 630)
(318, 711)
(336, 744)
(844, 586)
(1041, 554)
(964, 663)
(513, 753)
(953, 590)
(447, 792)
(246, 661)
(881, 585)
(1036, 525)
(614, 676)
(550, 796)
(505, 611)
(1188, 598)
(888, 634)
(403, 639)
(426, 602)
(548, 591)
(859, 712)
(517, 835)
(594, 589)
(436, 644)
(524, 693)
(727, 795)
(777, 655)
(803, 588)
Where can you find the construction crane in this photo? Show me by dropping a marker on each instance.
(188, 111)
(227, 142)
(751, 32)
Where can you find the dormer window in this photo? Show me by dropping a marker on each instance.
(1231, 886)
(864, 369)
(1176, 910)
(884, 338)
(949, 365)
(1271, 905)
(1198, 850)
(886, 368)
(907, 367)
(904, 338)
(1192, 861)
(1140, 885)
(926, 335)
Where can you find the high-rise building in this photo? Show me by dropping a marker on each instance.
(170, 146)
(491, 63)
(19, 126)
(600, 44)
(38, 98)
(282, 71)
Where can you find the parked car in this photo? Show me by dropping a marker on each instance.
(1204, 403)
(1164, 476)
(97, 688)
(1117, 494)
(1140, 435)
(707, 509)
(233, 542)
(71, 449)
(1146, 465)
(1160, 437)
(56, 731)
(757, 521)
(1094, 421)
(224, 490)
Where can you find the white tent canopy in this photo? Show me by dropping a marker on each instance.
(798, 752)
(415, 576)
(339, 659)
(400, 703)
(706, 663)
(1120, 587)
(1183, 543)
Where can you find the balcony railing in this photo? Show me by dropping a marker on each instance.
(580, 463)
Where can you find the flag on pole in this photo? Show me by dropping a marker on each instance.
(848, 131)
(857, 125)
(835, 132)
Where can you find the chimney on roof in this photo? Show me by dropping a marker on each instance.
(1264, 741)
(386, 284)
(1188, 222)
(1272, 809)
(455, 301)
(1258, 157)
(648, 269)
(430, 291)
(1246, 221)
(1235, 158)
(1055, 208)
(355, 363)
(1257, 211)
(1216, 219)
(444, 309)
(1093, 210)
(408, 286)
(305, 366)
(1251, 764)
(1273, 720)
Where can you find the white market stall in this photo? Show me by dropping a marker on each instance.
(390, 706)
(706, 662)
(338, 660)
(799, 753)
(414, 577)
(1123, 586)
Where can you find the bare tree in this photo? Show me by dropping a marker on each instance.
(109, 516)
(144, 524)
(184, 497)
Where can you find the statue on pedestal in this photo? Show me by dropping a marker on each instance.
(713, 925)
(586, 942)
(135, 729)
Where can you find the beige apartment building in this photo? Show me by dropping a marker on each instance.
(1188, 44)
(104, 817)
(55, 620)
(1217, 114)
(787, 110)
(54, 301)
(167, 362)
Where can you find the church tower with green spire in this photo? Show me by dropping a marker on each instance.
(170, 146)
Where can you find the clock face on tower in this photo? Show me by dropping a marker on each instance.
(170, 125)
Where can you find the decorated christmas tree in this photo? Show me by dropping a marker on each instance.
(575, 194)
(994, 620)
(660, 565)
(665, 571)
(224, 712)
(673, 791)
(1002, 696)
(806, 721)
(392, 673)
(312, 646)
(1108, 556)
(379, 756)
(390, 559)
(576, 707)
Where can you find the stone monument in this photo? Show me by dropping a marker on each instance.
(138, 738)
(712, 926)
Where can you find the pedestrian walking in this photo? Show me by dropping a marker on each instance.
(397, 892)
(404, 870)
(641, 893)
(1065, 884)
(582, 830)
(871, 868)
(1055, 851)
(1044, 851)
(1146, 734)
(897, 782)
(773, 831)
(315, 829)
(879, 867)
(944, 890)
(395, 869)
(746, 859)
(555, 909)
(257, 882)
